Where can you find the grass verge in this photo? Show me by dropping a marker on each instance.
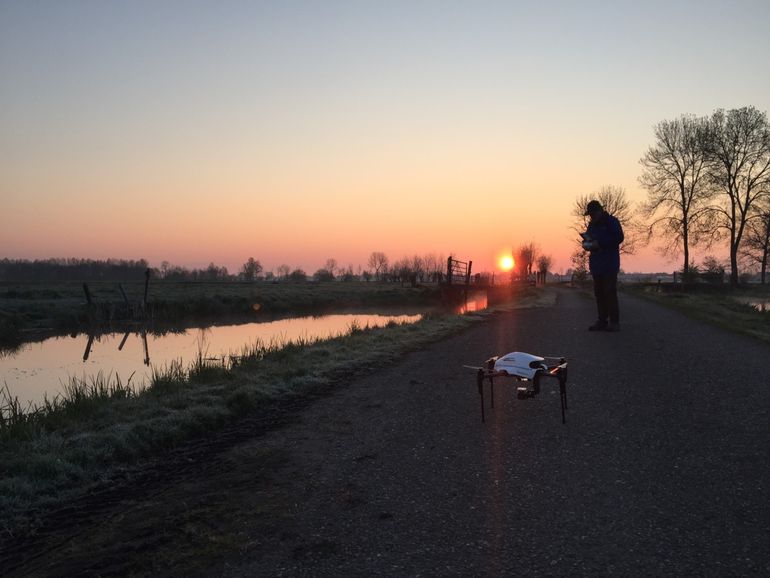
(725, 308)
(81, 440)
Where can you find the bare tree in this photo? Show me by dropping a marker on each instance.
(739, 152)
(418, 269)
(579, 259)
(675, 177)
(298, 276)
(615, 202)
(544, 264)
(402, 270)
(756, 247)
(215, 273)
(283, 271)
(378, 262)
(331, 266)
(435, 266)
(526, 255)
(431, 265)
(251, 269)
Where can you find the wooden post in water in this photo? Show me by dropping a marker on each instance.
(123, 342)
(146, 350)
(88, 347)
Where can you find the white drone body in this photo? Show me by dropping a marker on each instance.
(519, 364)
(522, 367)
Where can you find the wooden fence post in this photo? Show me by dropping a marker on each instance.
(146, 285)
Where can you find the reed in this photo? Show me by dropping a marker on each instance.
(13, 417)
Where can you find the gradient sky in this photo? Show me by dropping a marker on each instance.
(290, 131)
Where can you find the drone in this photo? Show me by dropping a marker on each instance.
(523, 367)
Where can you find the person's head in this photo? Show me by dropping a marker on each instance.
(594, 210)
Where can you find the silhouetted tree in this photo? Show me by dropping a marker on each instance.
(20, 270)
(756, 247)
(251, 269)
(544, 263)
(579, 259)
(435, 266)
(283, 271)
(323, 274)
(712, 270)
(615, 202)
(331, 266)
(675, 177)
(525, 258)
(215, 273)
(738, 148)
(378, 262)
(348, 275)
(298, 275)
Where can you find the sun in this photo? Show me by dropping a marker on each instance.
(506, 263)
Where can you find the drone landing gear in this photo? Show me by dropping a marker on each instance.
(557, 371)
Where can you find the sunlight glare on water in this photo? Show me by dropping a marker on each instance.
(477, 301)
(763, 306)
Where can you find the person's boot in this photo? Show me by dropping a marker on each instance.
(598, 326)
(613, 327)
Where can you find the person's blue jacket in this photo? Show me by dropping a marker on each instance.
(608, 233)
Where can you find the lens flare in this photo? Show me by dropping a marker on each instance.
(506, 263)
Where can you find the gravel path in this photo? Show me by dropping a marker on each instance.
(661, 469)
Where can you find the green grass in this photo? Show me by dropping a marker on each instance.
(80, 439)
(718, 305)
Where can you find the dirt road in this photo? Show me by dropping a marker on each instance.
(661, 469)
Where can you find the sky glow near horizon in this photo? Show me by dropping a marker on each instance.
(294, 132)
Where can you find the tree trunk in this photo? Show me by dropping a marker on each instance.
(733, 253)
(733, 265)
(685, 243)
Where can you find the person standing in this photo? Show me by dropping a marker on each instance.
(602, 239)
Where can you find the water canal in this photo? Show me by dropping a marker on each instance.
(39, 369)
(759, 304)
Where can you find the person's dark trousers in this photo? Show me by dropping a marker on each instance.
(606, 292)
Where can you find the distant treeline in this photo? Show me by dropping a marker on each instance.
(429, 268)
(12, 270)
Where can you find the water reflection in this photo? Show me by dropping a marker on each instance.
(37, 368)
(477, 301)
(763, 306)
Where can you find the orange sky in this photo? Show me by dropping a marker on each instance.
(302, 131)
